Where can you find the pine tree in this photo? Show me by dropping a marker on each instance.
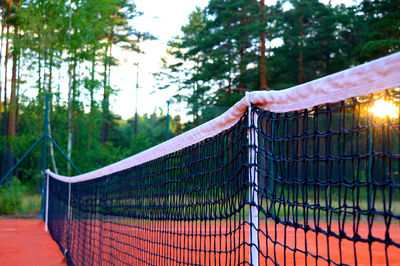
(313, 40)
(381, 20)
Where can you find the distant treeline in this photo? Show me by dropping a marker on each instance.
(70, 41)
(224, 50)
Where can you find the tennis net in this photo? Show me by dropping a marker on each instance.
(317, 183)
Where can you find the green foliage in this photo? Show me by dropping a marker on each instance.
(381, 25)
(30, 204)
(19, 198)
(218, 57)
(151, 130)
(88, 152)
(11, 197)
(75, 38)
(316, 32)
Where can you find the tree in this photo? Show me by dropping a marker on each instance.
(263, 60)
(313, 39)
(381, 31)
(219, 54)
(48, 34)
(117, 31)
(6, 156)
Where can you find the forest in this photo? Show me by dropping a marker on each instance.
(225, 49)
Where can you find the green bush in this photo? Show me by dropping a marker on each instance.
(30, 204)
(11, 197)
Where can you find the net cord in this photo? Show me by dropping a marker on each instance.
(253, 184)
(371, 77)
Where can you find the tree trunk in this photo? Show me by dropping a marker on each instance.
(49, 85)
(12, 123)
(104, 127)
(74, 109)
(5, 162)
(69, 123)
(69, 111)
(263, 60)
(12, 126)
(91, 92)
(53, 160)
(18, 87)
(6, 80)
(301, 67)
(106, 95)
(242, 54)
(1, 47)
(39, 81)
(71, 102)
(44, 71)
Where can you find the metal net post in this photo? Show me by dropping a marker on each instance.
(253, 188)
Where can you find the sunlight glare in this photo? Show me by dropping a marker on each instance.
(382, 109)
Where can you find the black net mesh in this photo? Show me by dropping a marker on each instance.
(329, 186)
(58, 222)
(184, 208)
(317, 186)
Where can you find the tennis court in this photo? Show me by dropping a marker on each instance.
(214, 244)
(24, 242)
(307, 175)
(281, 178)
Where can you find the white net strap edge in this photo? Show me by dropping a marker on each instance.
(371, 77)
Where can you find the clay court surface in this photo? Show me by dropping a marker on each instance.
(24, 242)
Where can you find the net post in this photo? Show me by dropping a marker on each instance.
(253, 187)
(46, 226)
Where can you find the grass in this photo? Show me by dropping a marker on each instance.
(30, 204)
(17, 199)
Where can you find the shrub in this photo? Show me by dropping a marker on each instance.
(11, 197)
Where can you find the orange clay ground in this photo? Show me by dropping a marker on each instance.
(24, 242)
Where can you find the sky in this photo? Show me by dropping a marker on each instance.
(164, 20)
